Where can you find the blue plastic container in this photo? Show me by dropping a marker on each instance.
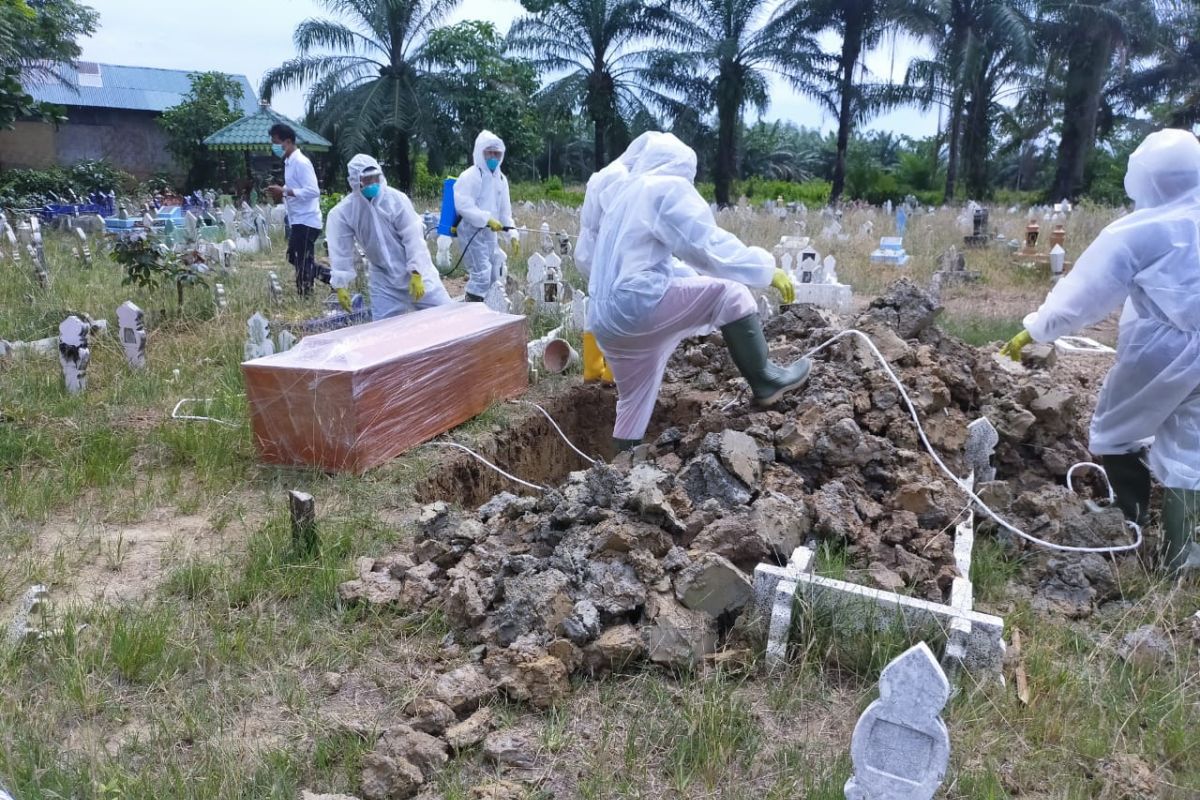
(449, 215)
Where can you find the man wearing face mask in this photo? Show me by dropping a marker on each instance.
(301, 195)
(481, 199)
(383, 221)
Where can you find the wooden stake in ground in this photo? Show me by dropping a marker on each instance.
(1019, 669)
(303, 509)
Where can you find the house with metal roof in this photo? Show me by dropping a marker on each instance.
(111, 115)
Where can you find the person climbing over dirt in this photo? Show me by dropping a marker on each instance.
(389, 230)
(641, 310)
(1149, 260)
(481, 198)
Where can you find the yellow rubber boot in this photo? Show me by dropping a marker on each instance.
(593, 360)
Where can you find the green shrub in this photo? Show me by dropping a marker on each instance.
(32, 188)
(328, 201)
(551, 190)
(811, 193)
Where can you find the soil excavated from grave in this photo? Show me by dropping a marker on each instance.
(648, 558)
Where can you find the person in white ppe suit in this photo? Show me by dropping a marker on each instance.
(382, 220)
(1149, 261)
(641, 310)
(481, 198)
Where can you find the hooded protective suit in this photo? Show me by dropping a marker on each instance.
(390, 232)
(1149, 260)
(602, 189)
(481, 195)
(640, 309)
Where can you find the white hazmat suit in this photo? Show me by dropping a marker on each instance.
(1149, 260)
(481, 195)
(391, 233)
(640, 309)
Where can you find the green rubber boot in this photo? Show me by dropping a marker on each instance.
(1130, 480)
(748, 348)
(621, 445)
(1180, 518)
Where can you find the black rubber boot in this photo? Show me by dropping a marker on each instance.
(474, 298)
(621, 445)
(1180, 517)
(748, 348)
(1130, 479)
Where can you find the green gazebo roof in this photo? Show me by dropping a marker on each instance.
(250, 133)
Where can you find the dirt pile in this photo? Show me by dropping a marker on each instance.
(648, 558)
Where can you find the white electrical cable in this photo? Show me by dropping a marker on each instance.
(1112, 496)
(176, 415)
(559, 430)
(483, 460)
(960, 482)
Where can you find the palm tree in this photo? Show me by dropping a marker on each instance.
(366, 72)
(595, 42)
(970, 33)
(726, 50)
(1092, 34)
(1172, 80)
(842, 87)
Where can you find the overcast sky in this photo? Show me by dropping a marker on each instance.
(249, 37)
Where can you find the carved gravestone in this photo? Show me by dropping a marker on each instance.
(274, 289)
(219, 297)
(579, 309)
(285, 341)
(497, 298)
(81, 248)
(901, 221)
(564, 244)
(535, 271)
(191, 226)
(547, 241)
(132, 324)
(982, 438)
(900, 746)
(73, 352)
(258, 343)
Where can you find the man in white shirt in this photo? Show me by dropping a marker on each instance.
(302, 197)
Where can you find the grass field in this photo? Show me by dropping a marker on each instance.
(198, 651)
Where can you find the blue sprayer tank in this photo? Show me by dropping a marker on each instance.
(449, 218)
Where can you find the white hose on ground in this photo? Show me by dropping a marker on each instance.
(484, 461)
(962, 484)
(559, 430)
(176, 415)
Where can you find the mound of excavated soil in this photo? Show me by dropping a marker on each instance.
(648, 558)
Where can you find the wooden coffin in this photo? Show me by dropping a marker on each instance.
(353, 398)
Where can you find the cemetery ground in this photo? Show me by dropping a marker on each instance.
(199, 656)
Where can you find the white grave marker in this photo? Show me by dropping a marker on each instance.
(259, 342)
(274, 289)
(73, 353)
(132, 324)
(219, 297)
(900, 746)
(286, 341)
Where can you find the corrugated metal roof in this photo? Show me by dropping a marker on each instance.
(250, 133)
(133, 88)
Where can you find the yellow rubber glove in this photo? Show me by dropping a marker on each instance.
(783, 283)
(1016, 345)
(343, 296)
(495, 225)
(416, 286)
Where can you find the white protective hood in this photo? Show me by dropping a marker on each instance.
(648, 219)
(479, 193)
(388, 229)
(604, 183)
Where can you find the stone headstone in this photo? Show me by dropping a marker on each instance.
(274, 289)
(258, 343)
(81, 248)
(564, 244)
(982, 438)
(191, 224)
(302, 509)
(900, 747)
(132, 324)
(73, 352)
(536, 269)
(496, 298)
(579, 309)
(219, 297)
(286, 340)
(547, 242)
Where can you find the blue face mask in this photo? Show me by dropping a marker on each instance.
(277, 149)
(370, 191)
(492, 163)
